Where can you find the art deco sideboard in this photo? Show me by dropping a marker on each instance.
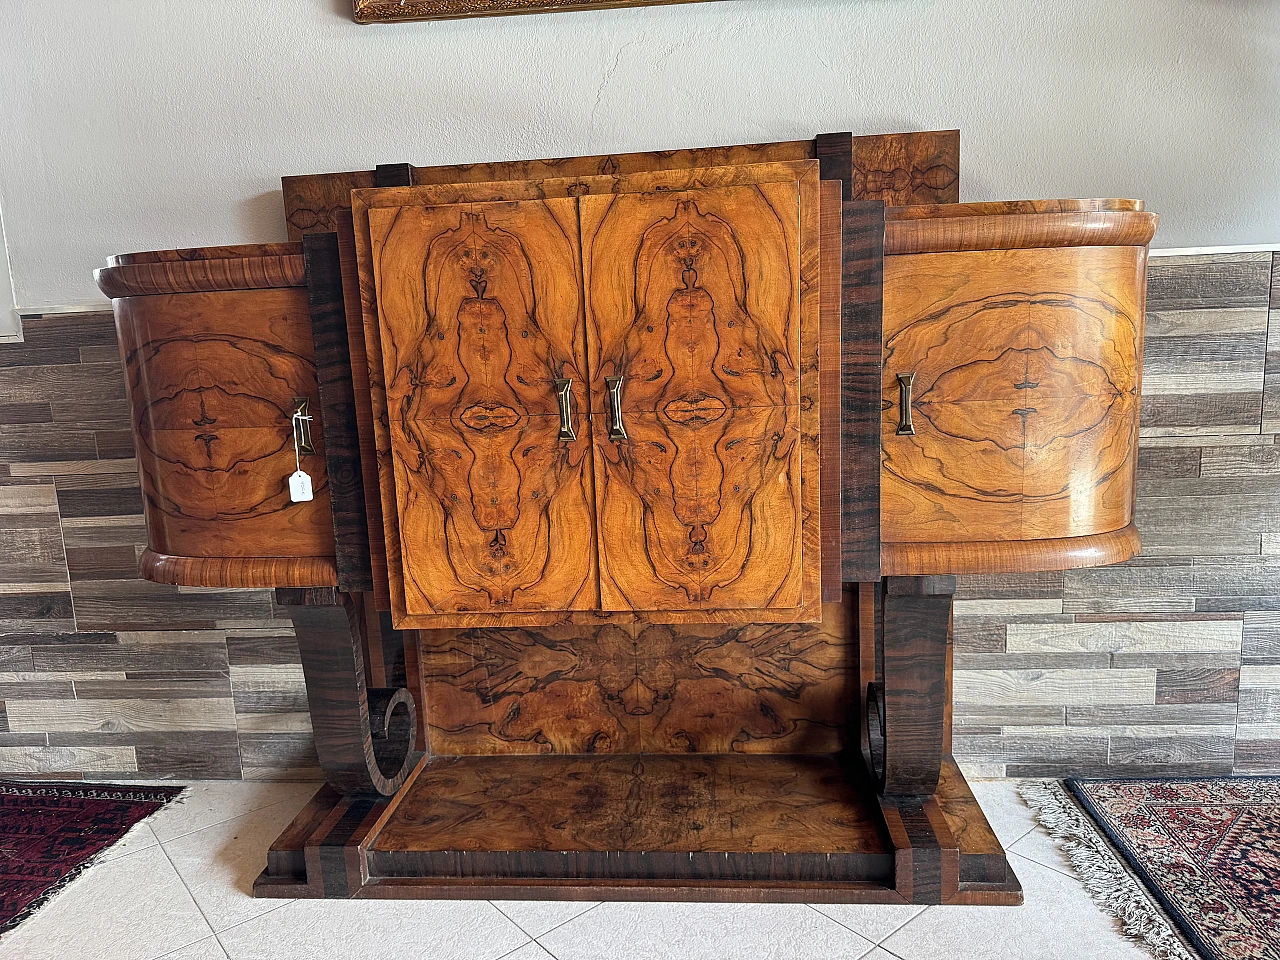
(618, 502)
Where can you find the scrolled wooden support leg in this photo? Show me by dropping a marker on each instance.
(905, 706)
(364, 737)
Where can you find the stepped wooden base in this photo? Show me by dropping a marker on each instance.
(725, 827)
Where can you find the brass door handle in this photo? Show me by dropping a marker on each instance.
(564, 398)
(616, 430)
(302, 426)
(905, 426)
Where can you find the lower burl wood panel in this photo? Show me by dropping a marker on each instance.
(777, 817)
(1025, 394)
(756, 688)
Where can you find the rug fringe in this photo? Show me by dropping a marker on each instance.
(1110, 885)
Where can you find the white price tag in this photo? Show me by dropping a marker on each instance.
(300, 487)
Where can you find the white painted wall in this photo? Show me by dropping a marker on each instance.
(136, 124)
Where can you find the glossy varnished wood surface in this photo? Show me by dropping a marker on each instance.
(693, 298)
(256, 572)
(806, 174)
(333, 849)
(480, 310)
(1011, 556)
(211, 379)
(1025, 398)
(939, 230)
(762, 817)
(664, 688)
(898, 169)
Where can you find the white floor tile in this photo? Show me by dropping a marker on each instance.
(1044, 850)
(376, 930)
(138, 838)
(207, 802)
(133, 908)
(703, 931)
(219, 863)
(1058, 921)
(1008, 815)
(207, 949)
(536, 917)
(873, 921)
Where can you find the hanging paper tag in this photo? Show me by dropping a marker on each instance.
(300, 487)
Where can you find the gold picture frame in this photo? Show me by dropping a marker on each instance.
(387, 11)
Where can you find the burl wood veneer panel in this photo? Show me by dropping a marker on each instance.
(693, 302)
(899, 168)
(671, 817)
(1024, 350)
(212, 378)
(480, 308)
(810, 319)
(632, 688)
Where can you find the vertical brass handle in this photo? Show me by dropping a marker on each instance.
(302, 426)
(616, 430)
(564, 397)
(905, 426)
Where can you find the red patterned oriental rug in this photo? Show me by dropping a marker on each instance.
(1207, 851)
(49, 832)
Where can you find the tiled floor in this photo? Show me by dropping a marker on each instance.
(178, 886)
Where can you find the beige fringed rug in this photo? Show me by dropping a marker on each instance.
(1202, 856)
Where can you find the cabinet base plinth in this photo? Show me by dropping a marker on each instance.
(713, 827)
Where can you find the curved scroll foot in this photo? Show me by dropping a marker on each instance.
(904, 705)
(364, 737)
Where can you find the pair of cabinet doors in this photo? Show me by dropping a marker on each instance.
(593, 402)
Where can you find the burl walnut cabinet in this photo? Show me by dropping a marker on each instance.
(638, 485)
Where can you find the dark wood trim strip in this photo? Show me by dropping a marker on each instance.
(860, 387)
(393, 175)
(835, 160)
(338, 411)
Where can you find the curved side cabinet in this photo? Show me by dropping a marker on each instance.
(1012, 367)
(217, 353)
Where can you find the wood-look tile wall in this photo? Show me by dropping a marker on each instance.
(103, 674)
(1169, 662)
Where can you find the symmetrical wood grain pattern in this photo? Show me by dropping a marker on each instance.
(214, 365)
(782, 688)
(906, 168)
(693, 300)
(364, 736)
(1025, 392)
(897, 168)
(365, 202)
(481, 311)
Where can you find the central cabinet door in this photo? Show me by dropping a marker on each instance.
(692, 310)
(483, 351)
